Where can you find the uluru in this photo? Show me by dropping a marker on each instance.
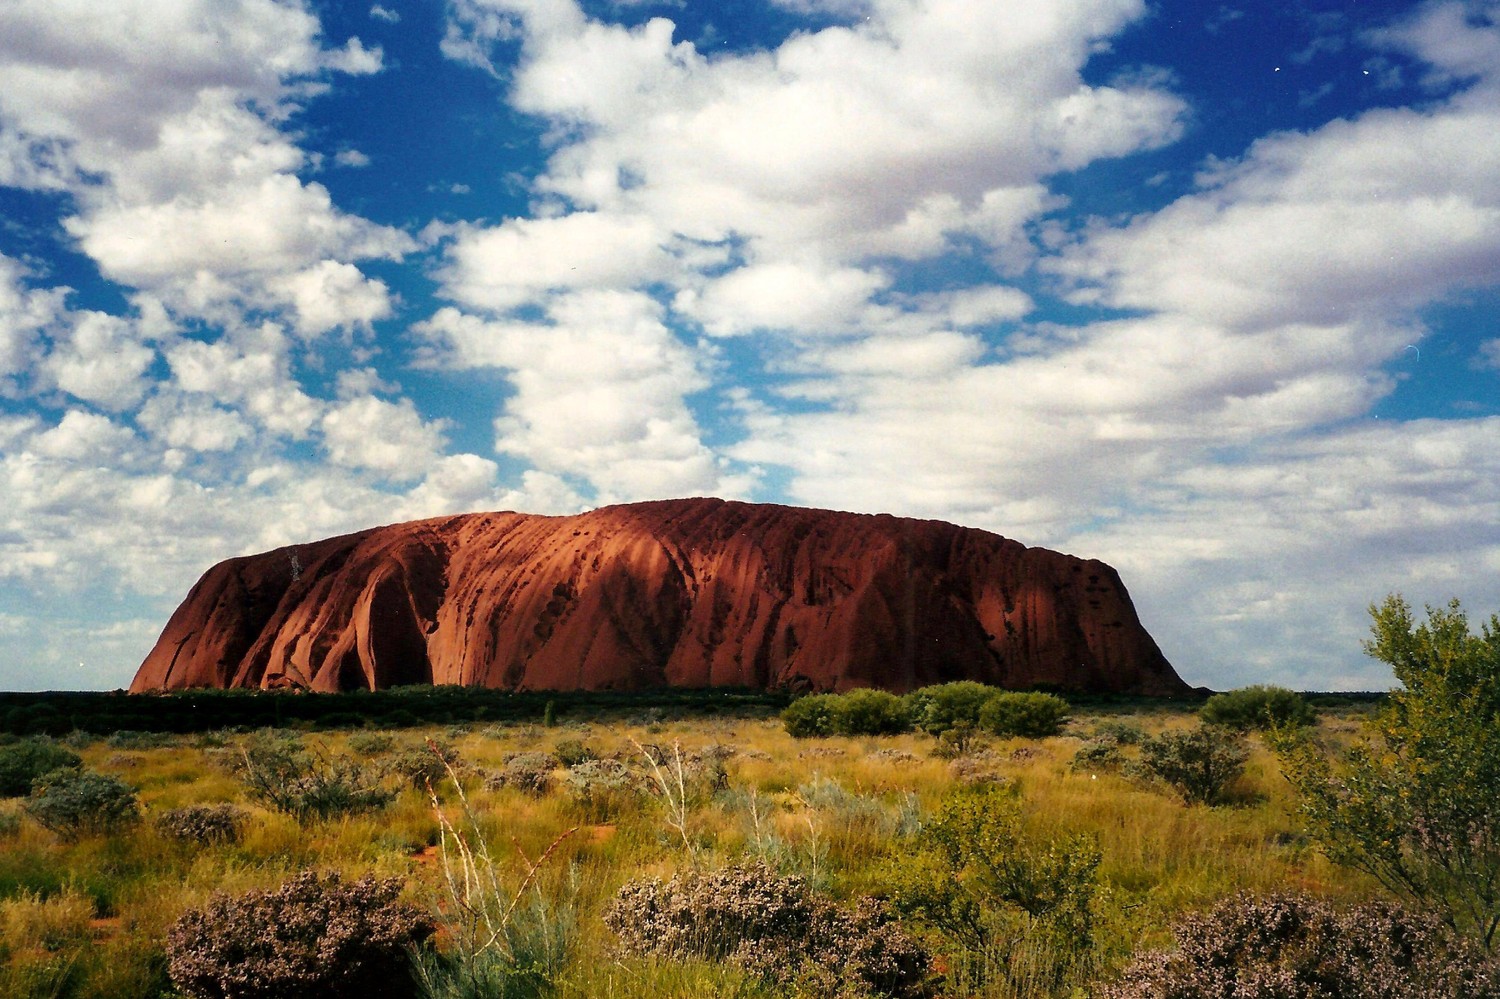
(691, 593)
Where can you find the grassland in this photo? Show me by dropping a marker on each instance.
(88, 917)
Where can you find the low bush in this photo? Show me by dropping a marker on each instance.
(1096, 755)
(1200, 764)
(810, 716)
(285, 775)
(1119, 731)
(1290, 947)
(421, 766)
(529, 772)
(203, 825)
(369, 744)
(571, 752)
(775, 927)
(602, 790)
(74, 803)
(25, 760)
(313, 937)
(1258, 707)
(1032, 716)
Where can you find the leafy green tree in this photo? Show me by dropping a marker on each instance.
(1415, 802)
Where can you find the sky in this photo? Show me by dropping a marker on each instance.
(1208, 291)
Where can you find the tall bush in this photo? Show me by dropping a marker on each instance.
(1030, 715)
(869, 712)
(1201, 764)
(1413, 802)
(1258, 707)
(945, 706)
(810, 716)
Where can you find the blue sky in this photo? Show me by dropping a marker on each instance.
(1209, 291)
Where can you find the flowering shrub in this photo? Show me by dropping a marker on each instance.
(313, 937)
(1290, 947)
(773, 926)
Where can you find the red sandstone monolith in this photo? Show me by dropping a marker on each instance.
(683, 593)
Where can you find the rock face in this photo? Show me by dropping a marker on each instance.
(688, 593)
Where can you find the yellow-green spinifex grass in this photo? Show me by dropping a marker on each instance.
(89, 918)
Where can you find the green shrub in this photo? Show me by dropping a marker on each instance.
(1291, 947)
(938, 708)
(869, 712)
(285, 775)
(571, 752)
(74, 803)
(1200, 764)
(311, 937)
(1119, 731)
(202, 825)
(1096, 755)
(529, 772)
(1033, 716)
(371, 743)
(24, 761)
(1008, 905)
(421, 766)
(1258, 707)
(810, 716)
(1411, 801)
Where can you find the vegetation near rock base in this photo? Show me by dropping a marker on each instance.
(963, 707)
(312, 938)
(1024, 714)
(1413, 802)
(720, 856)
(1258, 708)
